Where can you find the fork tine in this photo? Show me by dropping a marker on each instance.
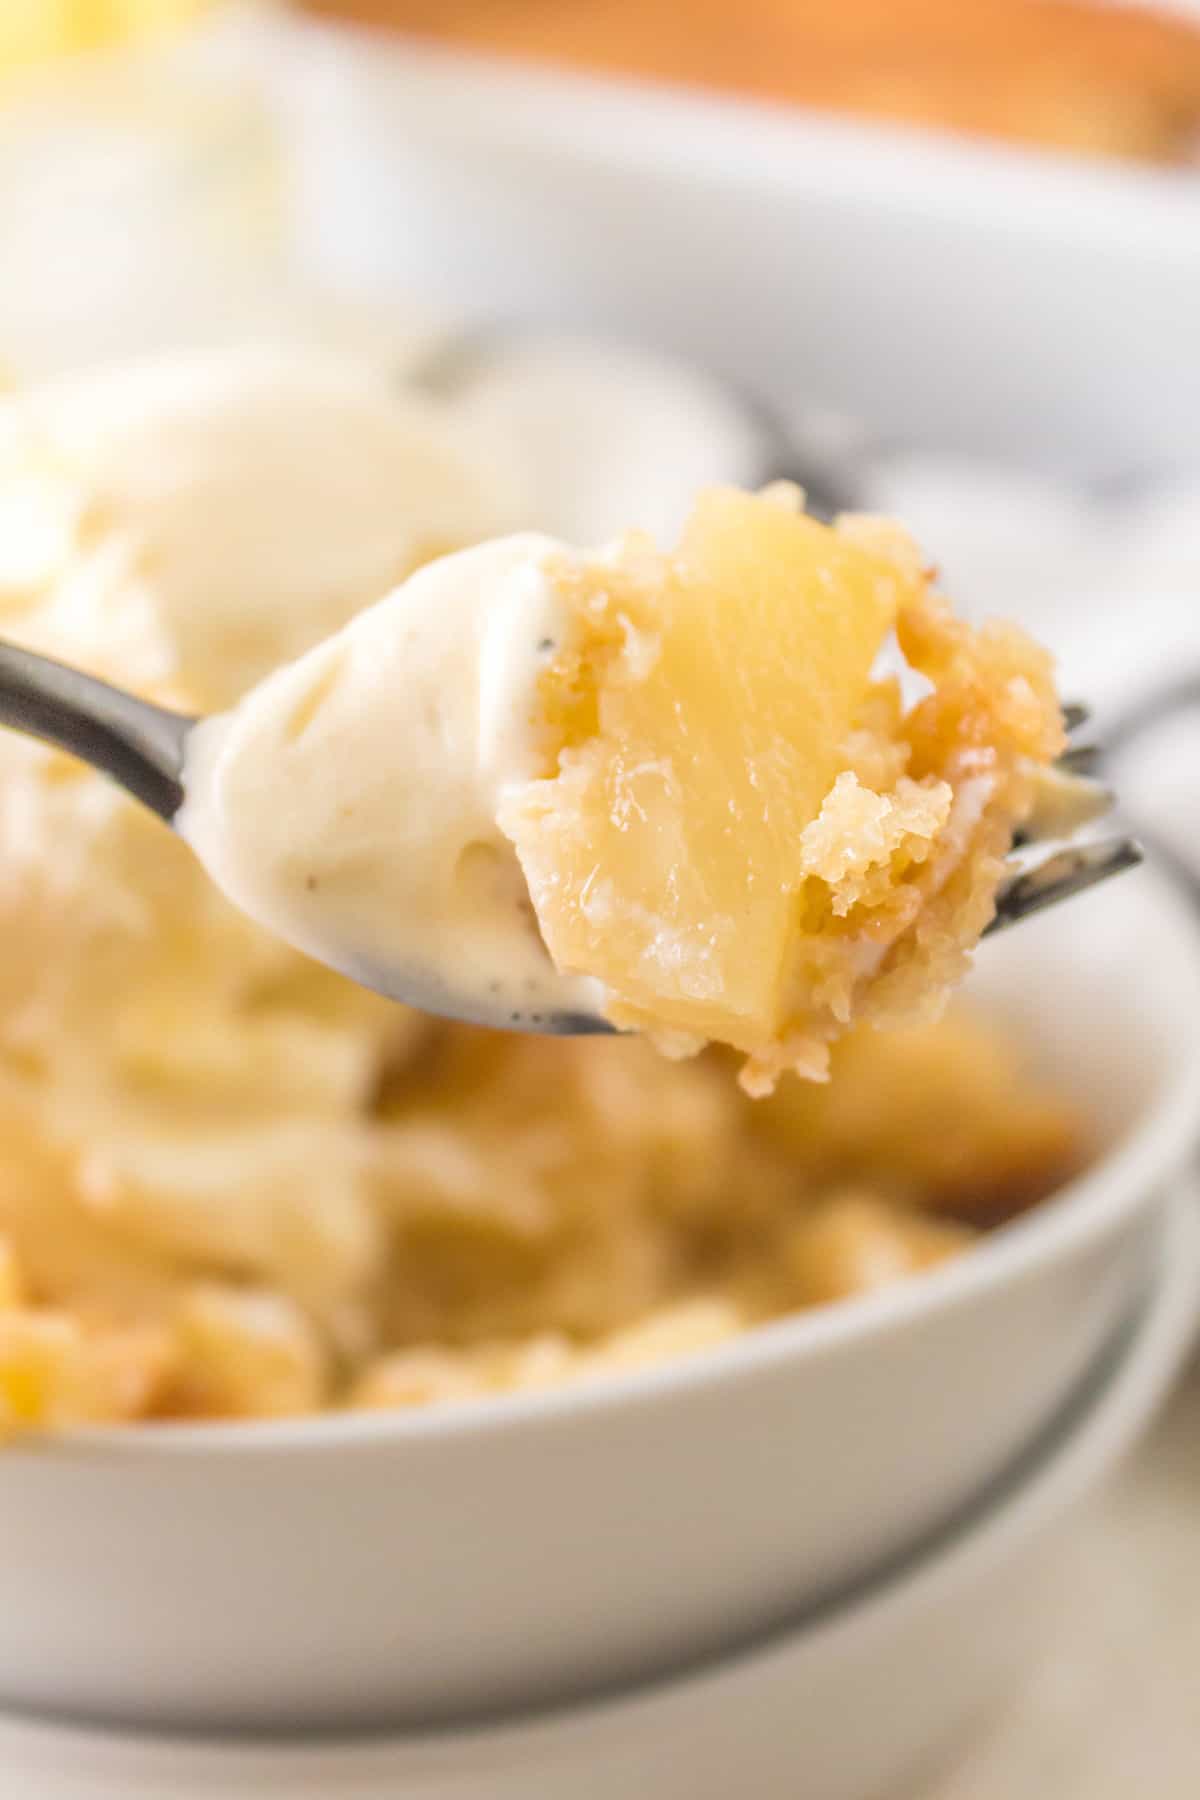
(1061, 875)
(1074, 714)
(1063, 802)
(1080, 759)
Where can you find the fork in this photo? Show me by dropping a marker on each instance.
(143, 748)
(1046, 866)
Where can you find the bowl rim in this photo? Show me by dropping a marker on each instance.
(1116, 1184)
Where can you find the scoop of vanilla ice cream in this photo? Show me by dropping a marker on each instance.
(351, 801)
(168, 1070)
(251, 501)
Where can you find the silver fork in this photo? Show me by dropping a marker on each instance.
(143, 747)
(1046, 866)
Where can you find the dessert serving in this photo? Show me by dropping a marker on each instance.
(232, 1183)
(744, 829)
(726, 816)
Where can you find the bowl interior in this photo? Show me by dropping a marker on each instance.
(1105, 994)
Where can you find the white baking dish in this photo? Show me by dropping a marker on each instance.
(965, 296)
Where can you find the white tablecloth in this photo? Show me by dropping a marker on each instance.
(1112, 1711)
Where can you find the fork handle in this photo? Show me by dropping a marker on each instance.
(141, 746)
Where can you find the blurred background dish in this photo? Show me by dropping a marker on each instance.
(934, 291)
(1086, 78)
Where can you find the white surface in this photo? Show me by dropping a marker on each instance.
(500, 1553)
(1110, 584)
(916, 1658)
(176, 148)
(612, 437)
(967, 297)
(1107, 1709)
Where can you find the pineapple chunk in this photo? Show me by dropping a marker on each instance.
(702, 719)
(741, 830)
(702, 716)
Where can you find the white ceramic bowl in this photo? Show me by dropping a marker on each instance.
(437, 1565)
(857, 1703)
